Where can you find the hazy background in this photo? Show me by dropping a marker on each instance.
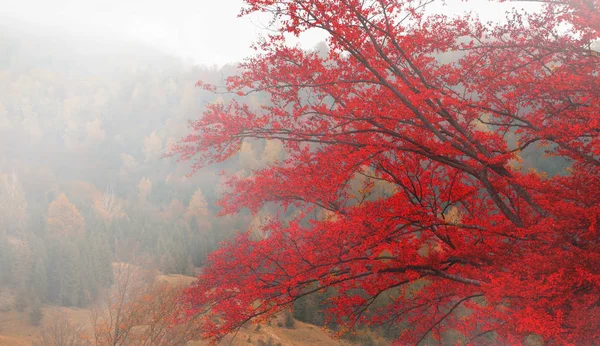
(200, 31)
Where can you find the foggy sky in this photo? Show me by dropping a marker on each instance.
(199, 31)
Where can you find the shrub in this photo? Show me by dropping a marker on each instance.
(36, 314)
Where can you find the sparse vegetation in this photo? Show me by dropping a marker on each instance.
(60, 331)
(268, 342)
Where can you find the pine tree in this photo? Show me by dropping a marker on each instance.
(39, 280)
(300, 309)
(65, 271)
(6, 276)
(89, 275)
(198, 211)
(53, 272)
(103, 261)
(21, 302)
(36, 314)
(71, 285)
(289, 323)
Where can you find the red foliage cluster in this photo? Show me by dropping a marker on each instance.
(425, 103)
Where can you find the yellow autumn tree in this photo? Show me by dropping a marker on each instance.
(64, 219)
(145, 188)
(453, 216)
(247, 157)
(108, 207)
(257, 225)
(198, 209)
(81, 192)
(273, 152)
(480, 124)
(370, 185)
(173, 211)
(152, 147)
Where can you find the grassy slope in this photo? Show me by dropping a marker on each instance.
(15, 329)
(302, 334)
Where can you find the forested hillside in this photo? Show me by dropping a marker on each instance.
(83, 184)
(83, 126)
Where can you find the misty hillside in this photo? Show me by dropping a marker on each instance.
(96, 111)
(83, 126)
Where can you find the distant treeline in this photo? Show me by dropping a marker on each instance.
(82, 182)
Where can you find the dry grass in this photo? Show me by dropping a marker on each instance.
(176, 279)
(15, 329)
(302, 335)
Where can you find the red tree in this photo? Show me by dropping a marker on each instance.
(402, 96)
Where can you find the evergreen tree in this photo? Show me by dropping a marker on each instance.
(39, 280)
(103, 261)
(289, 323)
(36, 314)
(53, 272)
(70, 275)
(65, 270)
(6, 257)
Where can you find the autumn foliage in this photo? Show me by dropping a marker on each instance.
(64, 219)
(439, 108)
